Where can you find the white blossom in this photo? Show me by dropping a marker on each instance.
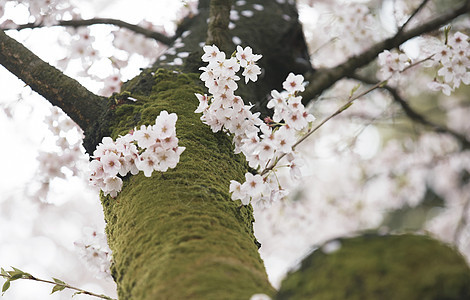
(159, 151)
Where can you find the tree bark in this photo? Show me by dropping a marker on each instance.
(76, 101)
(177, 235)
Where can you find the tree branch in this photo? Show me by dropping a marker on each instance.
(107, 21)
(415, 12)
(219, 17)
(323, 79)
(343, 107)
(413, 114)
(77, 102)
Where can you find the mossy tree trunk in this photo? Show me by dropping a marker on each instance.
(178, 235)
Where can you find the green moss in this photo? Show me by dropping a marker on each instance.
(381, 267)
(177, 235)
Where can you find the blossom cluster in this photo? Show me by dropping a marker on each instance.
(46, 12)
(93, 249)
(353, 25)
(150, 148)
(454, 60)
(262, 143)
(63, 160)
(391, 63)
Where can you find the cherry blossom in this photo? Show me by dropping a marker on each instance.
(391, 63)
(150, 148)
(454, 64)
(294, 83)
(93, 249)
(261, 143)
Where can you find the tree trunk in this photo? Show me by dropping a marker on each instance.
(178, 235)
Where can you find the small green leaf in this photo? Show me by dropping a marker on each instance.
(5, 287)
(17, 270)
(354, 89)
(3, 272)
(57, 288)
(15, 273)
(58, 280)
(15, 276)
(446, 34)
(346, 106)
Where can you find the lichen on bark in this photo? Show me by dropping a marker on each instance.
(177, 235)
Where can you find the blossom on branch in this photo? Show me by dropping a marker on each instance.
(150, 148)
(262, 143)
(453, 59)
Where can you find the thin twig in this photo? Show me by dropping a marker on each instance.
(159, 37)
(414, 115)
(59, 283)
(340, 110)
(311, 131)
(418, 9)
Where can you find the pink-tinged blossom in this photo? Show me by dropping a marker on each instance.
(391, 63)
(244, 56)
(212, 53)
(111, 163)
(112, 84)
(112, 185)
(458, 41)
(443, 54)
(237, 193)
(277, 100)
(295, 163)
(454, 62)
(147, 163)
(96, 168)
(145, 136)
(284, 139)
(266, 150)
(150, 148)
(294, 83)
(251, 72)
(170, 142)
(253, 185)
(168, 158)
(165, 125)
(261, 144)
(203, 103)
(93, 249)
(461, 77)
(107, 145)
